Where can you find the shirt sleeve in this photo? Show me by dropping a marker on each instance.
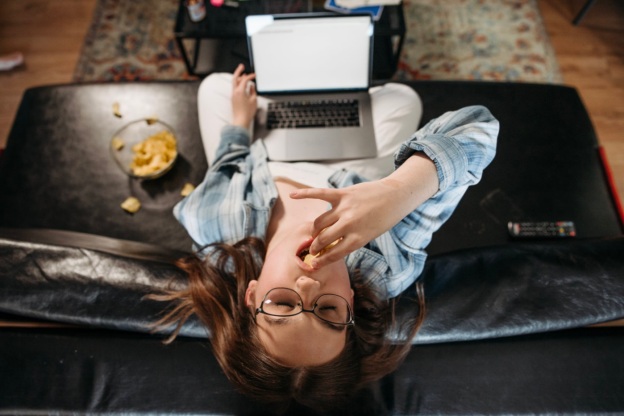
(235, 142)
(461, 144)
(235, 198)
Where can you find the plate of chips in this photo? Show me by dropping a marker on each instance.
(145, 148)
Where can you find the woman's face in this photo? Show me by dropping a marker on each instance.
(303, 339)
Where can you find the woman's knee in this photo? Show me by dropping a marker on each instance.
(400, 95)
(218, 82)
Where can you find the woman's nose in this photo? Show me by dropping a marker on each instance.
(307, 286)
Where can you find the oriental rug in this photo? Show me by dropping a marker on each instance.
(491, 40)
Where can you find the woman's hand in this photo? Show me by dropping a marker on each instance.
(362, 212)
(358, 214)
(244, 98)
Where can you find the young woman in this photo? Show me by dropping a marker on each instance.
(314, 331)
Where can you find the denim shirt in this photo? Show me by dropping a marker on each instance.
(236, 198)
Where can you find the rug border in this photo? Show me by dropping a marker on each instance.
(557, 77)
(554, 77)
(79, 71)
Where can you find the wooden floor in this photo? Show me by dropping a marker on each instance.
(50, 34)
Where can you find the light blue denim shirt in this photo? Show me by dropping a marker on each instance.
(238, 193)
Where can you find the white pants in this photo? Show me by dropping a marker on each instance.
(396, 110)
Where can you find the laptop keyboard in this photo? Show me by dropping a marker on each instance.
(313, 113)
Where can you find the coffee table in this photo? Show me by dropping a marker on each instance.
(218, 43)
(57, 171)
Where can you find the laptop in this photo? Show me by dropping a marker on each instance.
(313, 72)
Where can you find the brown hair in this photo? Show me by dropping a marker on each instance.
(216, 294)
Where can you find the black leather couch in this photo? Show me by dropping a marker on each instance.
(508, 325)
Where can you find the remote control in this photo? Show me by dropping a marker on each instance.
(542, 229)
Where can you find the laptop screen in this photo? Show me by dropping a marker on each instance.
(304, 53)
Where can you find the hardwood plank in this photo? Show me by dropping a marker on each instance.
(591, 58)
(50, 34)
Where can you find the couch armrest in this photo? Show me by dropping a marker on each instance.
(520, 289)
(472, 294)
(81, 279)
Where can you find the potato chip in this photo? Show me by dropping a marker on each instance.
(151, 120)
(154, 153)
(187, 189)
(117, 143)
(309, 257)
(131, 205)
(116, 111)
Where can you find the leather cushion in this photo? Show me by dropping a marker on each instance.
(471, 294)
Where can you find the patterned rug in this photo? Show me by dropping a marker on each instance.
(492, 40)
(131, 41)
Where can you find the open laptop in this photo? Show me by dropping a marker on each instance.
(304, 63)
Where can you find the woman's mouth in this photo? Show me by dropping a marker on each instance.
(306, 257)
(303, 253)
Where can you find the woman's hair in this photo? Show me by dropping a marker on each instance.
(216, 294)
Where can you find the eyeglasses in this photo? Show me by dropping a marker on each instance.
(285, 302)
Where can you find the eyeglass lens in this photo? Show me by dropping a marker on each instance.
(287, 302)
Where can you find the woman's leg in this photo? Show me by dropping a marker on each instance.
(214, 109)
(397, 110)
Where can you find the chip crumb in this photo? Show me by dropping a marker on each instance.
(131, 205)
(151, 120)
(118, 143)
(187, 189)
(116, 111)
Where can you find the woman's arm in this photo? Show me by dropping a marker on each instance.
(444, 157)
(362, 212)
(223, 208)
(244, 104)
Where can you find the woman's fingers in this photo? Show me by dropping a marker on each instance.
(341, 223)
(322, 228)
(339, 251)
(324, 238)
(241, 80)
(251, 88)
(237, 73)
(323, 221)
(244, 99)
(325, 194)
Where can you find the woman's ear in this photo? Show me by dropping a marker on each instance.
(250, 294)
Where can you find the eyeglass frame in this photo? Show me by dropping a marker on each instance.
(303, 309)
